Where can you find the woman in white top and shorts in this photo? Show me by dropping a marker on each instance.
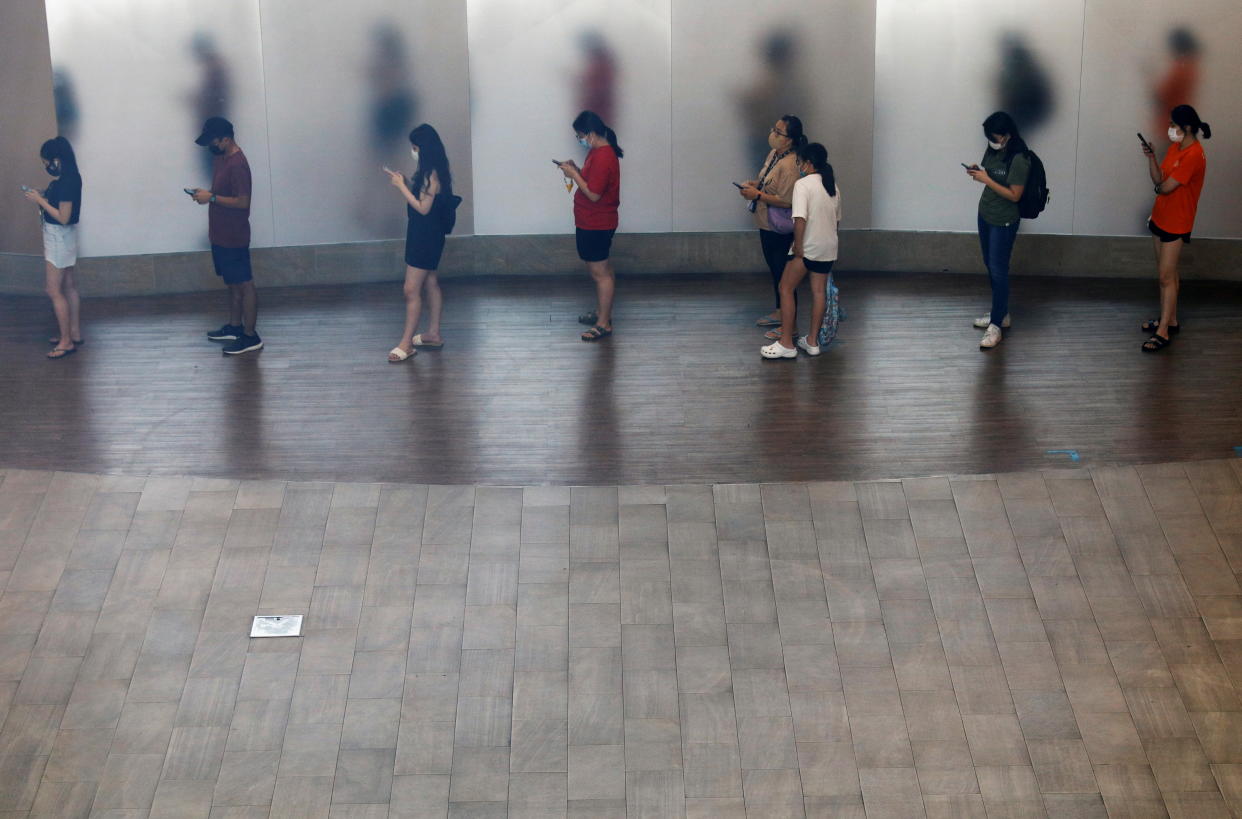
(60, 207)
(816, 213)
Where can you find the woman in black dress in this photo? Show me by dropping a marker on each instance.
(425, 195)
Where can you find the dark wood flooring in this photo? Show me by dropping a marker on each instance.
(680, 394)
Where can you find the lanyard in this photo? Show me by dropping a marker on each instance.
(763, 178)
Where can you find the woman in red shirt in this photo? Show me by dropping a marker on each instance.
(1179, 181)
(595, 213)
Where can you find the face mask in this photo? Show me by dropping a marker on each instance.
(583, 142)
(53, 167)
(216, 149)
(1175, 135)
(414, 153)
(995, 146)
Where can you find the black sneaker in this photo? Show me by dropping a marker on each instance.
(244, 344)
(228, 332)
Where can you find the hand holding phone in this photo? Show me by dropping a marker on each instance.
(26, 188)
(189, 191)
(387, 169)
(738, 185)
(970, 167)
(1146, 145)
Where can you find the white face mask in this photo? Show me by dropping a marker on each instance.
(414, 153)
(995, 146)
(1175, 135)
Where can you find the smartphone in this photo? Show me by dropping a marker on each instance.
(557, 163)
(26, 188)
(738, 185)
(970, 167)
(387, 169)
(189, 191)
(1146, 144)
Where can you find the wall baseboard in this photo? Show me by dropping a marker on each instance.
(637, 253)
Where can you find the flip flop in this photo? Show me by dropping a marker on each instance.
(596, 333)
(431, 345)
(76, 341)
(588, 318)
(55, 354)
(768, 321)
(396, 355)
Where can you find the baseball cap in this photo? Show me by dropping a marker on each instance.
(214, 128)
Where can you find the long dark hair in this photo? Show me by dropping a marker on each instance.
(431, 157)
(817, 155)
(59, 149)
(1002, 124)
(1187, 119)
(793, 130)
(589, 122)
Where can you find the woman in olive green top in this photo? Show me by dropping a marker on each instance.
(774, 189)
(1004, 173)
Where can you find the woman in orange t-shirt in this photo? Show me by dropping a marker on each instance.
(1179, 181)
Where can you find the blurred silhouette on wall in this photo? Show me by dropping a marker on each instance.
(1023, 87)
(1179, 84)
(65, 100)
(392, 110)
(211, 97)
(597, 84)
(775, 91)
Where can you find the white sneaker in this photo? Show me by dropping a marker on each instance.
(777, 350)
(983, 322)
(804, 344)
(991, 337)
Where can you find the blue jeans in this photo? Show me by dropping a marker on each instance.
(997, 245)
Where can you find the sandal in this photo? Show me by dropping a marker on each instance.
(768, 321)
(1151, 325)
(396, 355)
(773, 335)
(59, 353)
(596, 333)
(1156, 343)
(431, 345)
(76, 341)
(588, 319)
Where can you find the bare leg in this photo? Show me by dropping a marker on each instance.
(249, 305)
(70, 288)
(605, 288)
(235, 305)
(413, 290)
(819, 302)
(435, 306)
(1167, 256)
(60, 305)
(795, 271)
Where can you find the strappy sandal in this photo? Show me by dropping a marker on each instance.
(596, 333)
(1156, 343)
(1151, 325)
(588, 319)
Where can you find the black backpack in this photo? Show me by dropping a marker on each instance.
(1035, 195)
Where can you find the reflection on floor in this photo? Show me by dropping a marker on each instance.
(1065, 643)
(679, 394)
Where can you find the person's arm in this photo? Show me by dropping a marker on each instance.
(799, 232)
(1153, 167)
(424, 201)
(235, 202)
(1181, 175)
(570, 169)
(1011, 193)
(61, 214)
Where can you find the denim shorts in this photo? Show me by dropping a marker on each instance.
(60, 245)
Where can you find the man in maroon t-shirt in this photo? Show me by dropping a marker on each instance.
(228, 229)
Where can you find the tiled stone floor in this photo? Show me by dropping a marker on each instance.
(1064, 644)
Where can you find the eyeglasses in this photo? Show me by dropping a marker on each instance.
(779, 134)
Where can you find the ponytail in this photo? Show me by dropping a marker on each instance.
(817, 155)
(793, 130)
(589, 122)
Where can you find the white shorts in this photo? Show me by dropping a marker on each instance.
(60, 245)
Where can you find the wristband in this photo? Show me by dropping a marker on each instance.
(213, 198)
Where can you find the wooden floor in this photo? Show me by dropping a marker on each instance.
(680, 394)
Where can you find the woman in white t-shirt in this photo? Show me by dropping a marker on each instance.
(816, 213)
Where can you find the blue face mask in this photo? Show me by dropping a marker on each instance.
(583, 142)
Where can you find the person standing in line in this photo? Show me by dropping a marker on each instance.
(816, 215)
(1179, 181)
(60, 207)
(1003, 175)
(424, 239)
(228, 229)
(595, 213)
(774, 189)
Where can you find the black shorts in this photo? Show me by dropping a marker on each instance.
(594, 245)
(1164, 235)
(232, 264)
(817, 267)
